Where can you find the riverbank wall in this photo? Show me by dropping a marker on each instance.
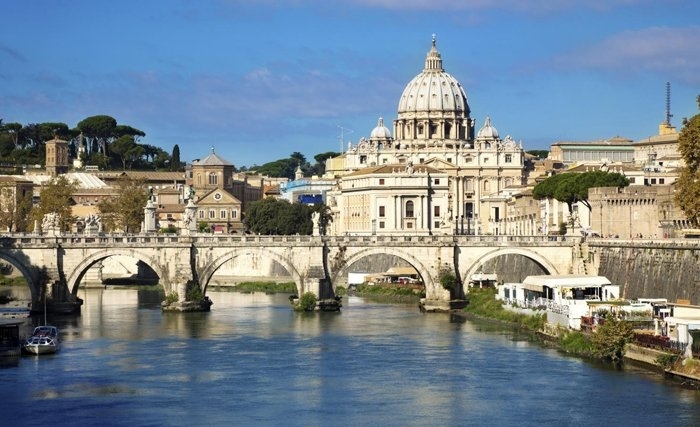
(644, 269)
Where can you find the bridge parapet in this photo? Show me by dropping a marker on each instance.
(646, 243)
(459, 240)
(205, 239)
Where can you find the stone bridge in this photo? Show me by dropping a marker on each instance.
(314, 262)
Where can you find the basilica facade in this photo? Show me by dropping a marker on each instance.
(433, 174)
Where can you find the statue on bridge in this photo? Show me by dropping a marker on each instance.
(188, 219)
(51, 224)
(93, 224)
(316, 219)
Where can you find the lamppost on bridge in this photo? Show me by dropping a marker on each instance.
(456, 225)
(462, 226)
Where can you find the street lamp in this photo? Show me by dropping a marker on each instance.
(462, 226)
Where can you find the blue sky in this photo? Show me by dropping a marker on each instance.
(259, 80)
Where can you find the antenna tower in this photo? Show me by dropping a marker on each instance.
(668, 103)
(343, 131)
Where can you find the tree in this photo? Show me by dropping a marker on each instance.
(571, 188)
(540, 154)
(124, 211)
(56, 197)
(175, 158)
(283, 168)
(275, 216)
(99, 130)
(320, 166)
(610, 339)
(124, 147)
(14, 130)
(687, 189)
(14, 211)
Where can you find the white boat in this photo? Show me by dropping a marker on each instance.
(44, 340)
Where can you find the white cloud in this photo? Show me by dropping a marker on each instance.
(671, 51)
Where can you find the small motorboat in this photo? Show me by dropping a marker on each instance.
(44, 340)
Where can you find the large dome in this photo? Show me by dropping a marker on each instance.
(433, 89)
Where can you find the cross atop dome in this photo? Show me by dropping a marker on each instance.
(433, 62)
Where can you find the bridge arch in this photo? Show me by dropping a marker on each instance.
(32, 275)
(207, 272)
(73, 279)
(476, 265)
(421, 268)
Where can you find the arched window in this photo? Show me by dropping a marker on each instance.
(213, 179)
(409, 209)
(486, 186)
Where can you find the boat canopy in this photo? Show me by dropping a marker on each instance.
(537, 283)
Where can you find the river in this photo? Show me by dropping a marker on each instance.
(253, 361)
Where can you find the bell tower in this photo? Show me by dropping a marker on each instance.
(56, 156)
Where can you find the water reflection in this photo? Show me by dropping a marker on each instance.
(370, 364)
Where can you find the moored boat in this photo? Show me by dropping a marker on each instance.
(44, 340)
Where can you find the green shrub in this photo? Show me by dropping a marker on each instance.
(483, 302)
(267, 287)
(307, 302)
(172, 298)
(576, 342)
(667, 361)
(448, 280)
(193, 292)
(168, 230)
(389, 293)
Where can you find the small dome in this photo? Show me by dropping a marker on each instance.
(487, 131)
(381, 131)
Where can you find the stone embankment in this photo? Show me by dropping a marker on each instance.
(648, 358)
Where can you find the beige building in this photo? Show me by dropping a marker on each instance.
(14, 191)
(613, 150)
(434, 128)
(220, 194)
(392, 199)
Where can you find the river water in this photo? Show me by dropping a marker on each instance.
(253, 361)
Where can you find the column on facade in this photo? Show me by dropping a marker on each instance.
(455, 198)
(397, 213)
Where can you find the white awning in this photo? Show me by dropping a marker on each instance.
(532, 287)
(567, 281)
